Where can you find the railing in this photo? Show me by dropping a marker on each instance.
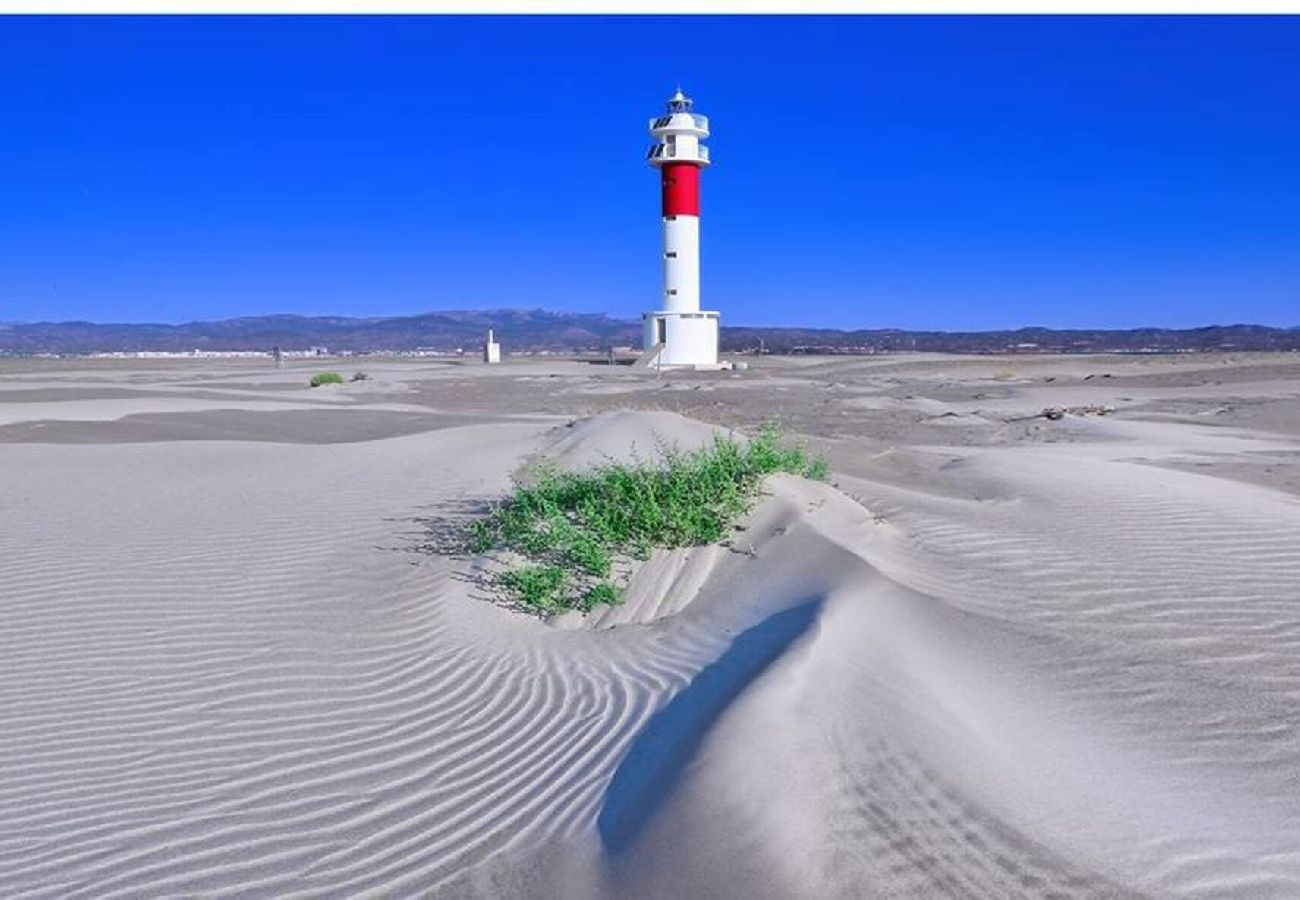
(699, 122)
(665, 151)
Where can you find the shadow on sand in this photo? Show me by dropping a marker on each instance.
(659, 754)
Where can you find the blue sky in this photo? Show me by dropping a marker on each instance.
(952, 173)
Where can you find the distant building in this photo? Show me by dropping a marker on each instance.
(491, 349)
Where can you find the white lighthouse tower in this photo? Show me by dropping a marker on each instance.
(680, 334)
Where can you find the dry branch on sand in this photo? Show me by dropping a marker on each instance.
(1056, 413)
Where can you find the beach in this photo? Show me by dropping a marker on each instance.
(999, 653)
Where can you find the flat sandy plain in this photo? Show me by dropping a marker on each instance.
(999, 656)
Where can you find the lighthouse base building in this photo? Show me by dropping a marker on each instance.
(680, 335)
(682, 339)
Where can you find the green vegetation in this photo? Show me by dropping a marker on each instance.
(326, 378)
(571, 527)
(539, 587)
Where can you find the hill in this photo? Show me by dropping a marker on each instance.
(538, 329)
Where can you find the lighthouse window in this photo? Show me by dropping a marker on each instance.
(672, 290)
(671, 254)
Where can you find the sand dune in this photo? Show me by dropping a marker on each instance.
(1025, 659)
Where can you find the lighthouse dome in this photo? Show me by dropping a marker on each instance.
(680, 120)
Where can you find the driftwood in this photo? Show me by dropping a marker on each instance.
(1056, 413)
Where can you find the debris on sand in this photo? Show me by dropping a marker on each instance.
(1056, 413)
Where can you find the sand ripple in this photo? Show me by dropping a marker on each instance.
(224, 672)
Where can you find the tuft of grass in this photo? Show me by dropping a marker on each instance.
(543, 588)
(604, 592)
(573, 526)
(326, 378)
(818, 469)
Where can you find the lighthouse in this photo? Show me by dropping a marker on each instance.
(679, 334)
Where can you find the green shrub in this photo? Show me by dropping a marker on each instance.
(538, 587)
(326, 378)
(601, 593)
(572, 526)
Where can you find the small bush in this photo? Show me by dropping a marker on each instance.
(359, 376)
(572, 526)
(326, 378)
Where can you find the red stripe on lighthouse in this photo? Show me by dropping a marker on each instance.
(681, 185)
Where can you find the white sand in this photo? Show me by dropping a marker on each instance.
(1001, 659)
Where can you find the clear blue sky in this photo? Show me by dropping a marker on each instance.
(953, 173)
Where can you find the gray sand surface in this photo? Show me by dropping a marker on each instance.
(1000, 655)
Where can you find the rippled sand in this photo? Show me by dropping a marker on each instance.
(999, 656)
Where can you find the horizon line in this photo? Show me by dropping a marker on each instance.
(630, 321)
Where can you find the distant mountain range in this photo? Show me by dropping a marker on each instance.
(537, 329)
(517, 328)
